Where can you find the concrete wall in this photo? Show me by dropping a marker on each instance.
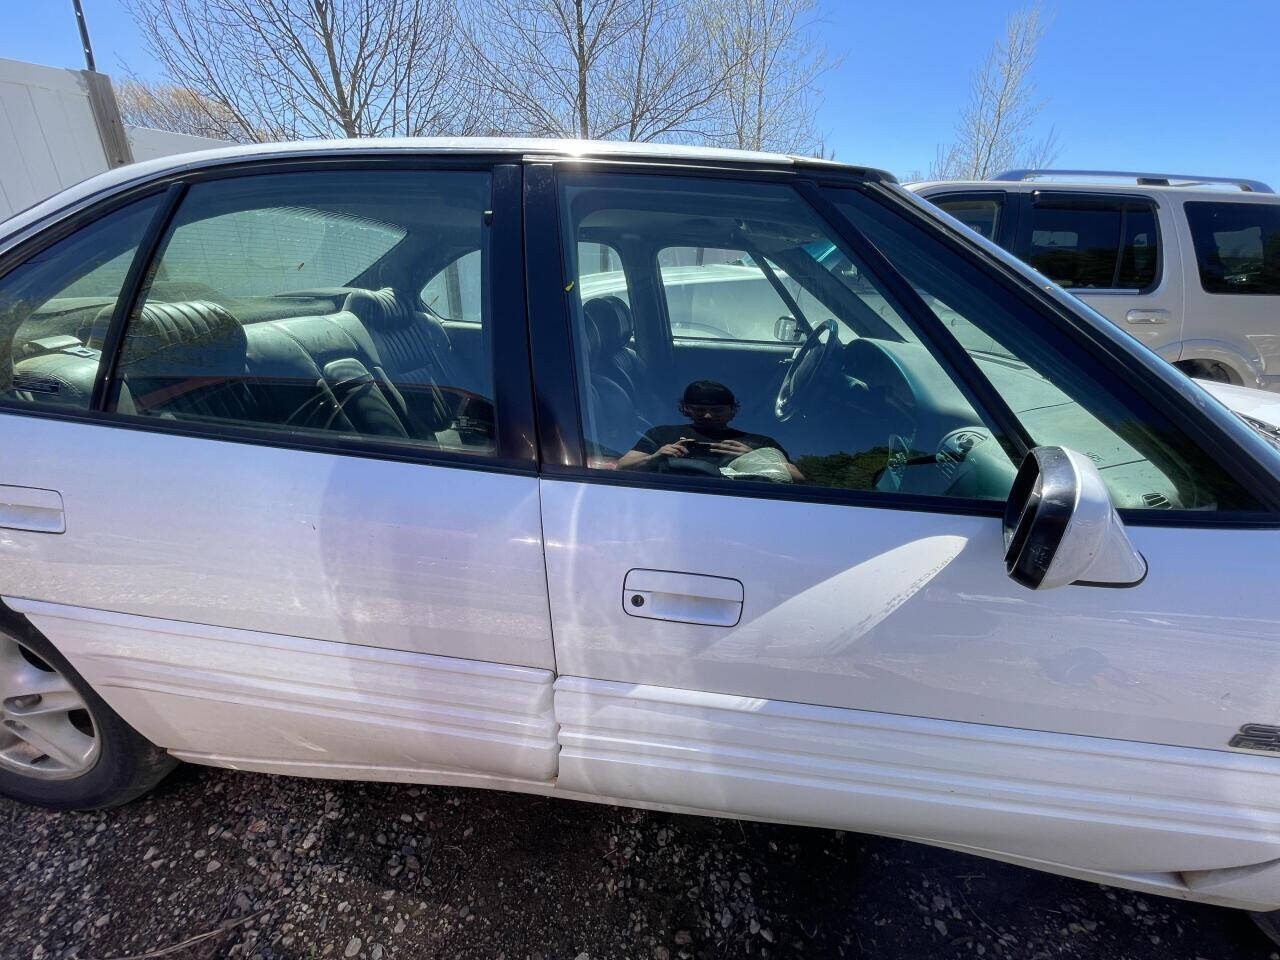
(49, 138)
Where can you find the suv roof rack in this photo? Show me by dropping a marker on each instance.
(1144, 179)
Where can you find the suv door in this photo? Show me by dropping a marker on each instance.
(290, 531)
(806, 617)
(1117, 253)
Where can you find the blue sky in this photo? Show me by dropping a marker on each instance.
(1130, 84)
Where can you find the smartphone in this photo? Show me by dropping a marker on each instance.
(698, 447)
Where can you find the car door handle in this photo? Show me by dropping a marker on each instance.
(1147, 316)
(31, 508)
(682, 597)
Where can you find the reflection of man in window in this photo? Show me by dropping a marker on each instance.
(707, 444)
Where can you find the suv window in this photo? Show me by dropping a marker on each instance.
(1093, 242)
(55, 308)
(1237, 246)
(280, 302)
(979, 214)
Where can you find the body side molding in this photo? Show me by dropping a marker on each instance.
(197, 690)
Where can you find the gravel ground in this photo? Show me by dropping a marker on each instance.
(244, 865)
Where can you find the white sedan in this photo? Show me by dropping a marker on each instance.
(438, 462)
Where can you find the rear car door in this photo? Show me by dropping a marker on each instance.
(257, 494)
(805, 616)
(1233, 294)
(1117, 253)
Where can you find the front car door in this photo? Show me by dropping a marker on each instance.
(258, 495)
(805, 617)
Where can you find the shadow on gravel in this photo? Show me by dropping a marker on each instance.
(245, 865)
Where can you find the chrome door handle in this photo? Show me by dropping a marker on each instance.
(1147, 316)
(31, 508)
(682, 597)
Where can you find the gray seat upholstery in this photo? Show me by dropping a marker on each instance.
(614, 425)
(414, 350)
(194, 360)
(620, 363)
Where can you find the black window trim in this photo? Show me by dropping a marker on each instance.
(513, 388)
(1195, 247)
(1084, 198)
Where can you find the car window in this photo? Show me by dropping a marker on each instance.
(1237, 246)
(456, 292)
(55, 308)
(275, 250)
(1093, 242)
(602, 273)
(1050, 385)
(714, 293)
(326, 335)
(979, 214)
(843, 409)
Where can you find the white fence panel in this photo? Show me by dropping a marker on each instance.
(49, 139)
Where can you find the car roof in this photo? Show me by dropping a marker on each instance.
(516, 147)
(1172, 191)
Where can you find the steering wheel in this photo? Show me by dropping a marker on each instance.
(814, 361)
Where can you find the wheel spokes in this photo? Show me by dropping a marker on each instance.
(45, 727)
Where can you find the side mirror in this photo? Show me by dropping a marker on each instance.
(786, 329)
(1060, 526)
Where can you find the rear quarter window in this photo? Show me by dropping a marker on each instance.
(1237, 246)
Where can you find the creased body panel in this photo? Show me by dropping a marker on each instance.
(243, 695)
(1086, 802)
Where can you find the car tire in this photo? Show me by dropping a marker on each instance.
(93, 758)
(1268, 923)
(1207, 370)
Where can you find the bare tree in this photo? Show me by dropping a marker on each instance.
(290, 69)
(994, 129)
(665, 76)
(593, 69)
(772, 60)
(165, 107)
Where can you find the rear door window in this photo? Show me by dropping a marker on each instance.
(286, 302)
(1092, 242)
(1237, 246)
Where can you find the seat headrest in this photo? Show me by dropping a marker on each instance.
(591, 331)
(165, 337)
(381, 309)
(161, 327)
(612, 318)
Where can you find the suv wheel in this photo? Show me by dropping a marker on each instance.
(1207, 370)
(61, 746)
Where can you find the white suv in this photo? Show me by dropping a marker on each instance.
(1188, 265)
(454, 462)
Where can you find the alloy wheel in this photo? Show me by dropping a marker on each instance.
(46, 729)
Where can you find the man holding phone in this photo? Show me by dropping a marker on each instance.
(706, 443)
